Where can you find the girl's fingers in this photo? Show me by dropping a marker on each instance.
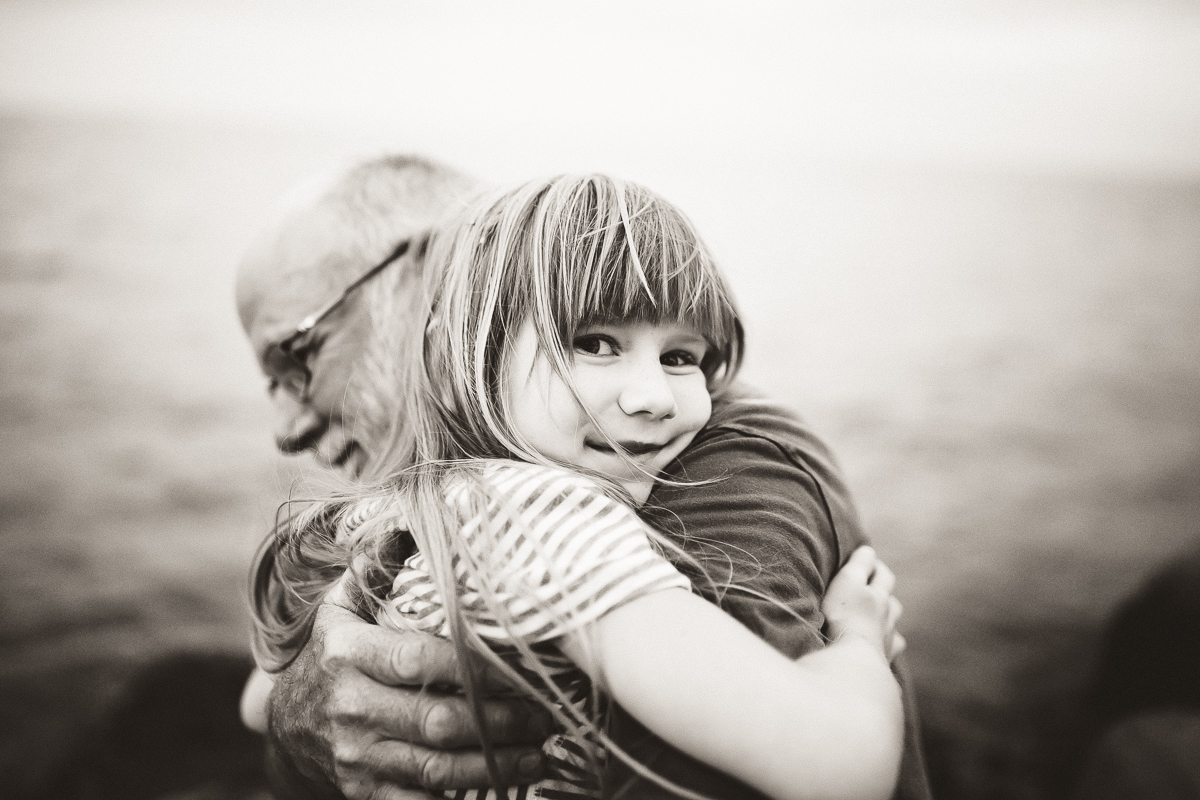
(896, 643)
(884, 580)
(851, 581)
(859, 599)
(861, 564)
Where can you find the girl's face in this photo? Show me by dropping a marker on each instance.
(641, 381)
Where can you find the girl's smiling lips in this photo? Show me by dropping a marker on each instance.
(633, 448)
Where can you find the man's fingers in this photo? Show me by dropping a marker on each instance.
(440, 769)
(390, 657)
(414, 659)
(396, 658)
(388, 791)
(445, 721)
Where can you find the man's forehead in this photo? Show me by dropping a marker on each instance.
(289, 273)
(316, 249)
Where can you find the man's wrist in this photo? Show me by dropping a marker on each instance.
(288, 782)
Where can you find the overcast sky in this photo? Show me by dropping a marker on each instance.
(1108, 87)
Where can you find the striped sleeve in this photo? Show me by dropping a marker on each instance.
(553, 553)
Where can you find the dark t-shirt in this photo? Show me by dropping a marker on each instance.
(770, 514)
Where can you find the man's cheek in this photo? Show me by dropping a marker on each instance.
(369, 409)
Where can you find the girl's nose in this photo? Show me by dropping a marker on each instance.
(648, 393)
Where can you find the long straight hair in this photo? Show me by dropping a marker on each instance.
(560, 254)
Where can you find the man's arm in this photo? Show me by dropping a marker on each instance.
(349, 717)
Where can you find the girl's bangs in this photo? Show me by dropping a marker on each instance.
(649, 267)
(649, 293)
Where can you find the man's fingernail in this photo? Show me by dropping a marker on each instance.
(530, 766)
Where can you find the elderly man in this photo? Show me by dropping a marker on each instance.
(325, 297)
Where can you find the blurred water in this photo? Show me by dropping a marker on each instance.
(1006, 365)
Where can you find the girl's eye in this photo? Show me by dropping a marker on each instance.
(595, 344)
(680, 358)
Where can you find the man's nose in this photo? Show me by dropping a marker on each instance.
(647, 392)
(298, 427)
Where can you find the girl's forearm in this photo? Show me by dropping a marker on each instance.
(863, 713)
(828, 725)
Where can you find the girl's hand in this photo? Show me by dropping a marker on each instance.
(859, 602)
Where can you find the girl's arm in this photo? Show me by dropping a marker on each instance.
(828, 725)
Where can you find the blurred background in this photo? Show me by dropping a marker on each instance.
(966, 237)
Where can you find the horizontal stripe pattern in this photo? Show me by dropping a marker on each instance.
(554, 553)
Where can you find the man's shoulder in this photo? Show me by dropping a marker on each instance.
(744, 411)
(752, 435)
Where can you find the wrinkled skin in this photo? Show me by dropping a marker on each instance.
(349, 716)
(351, 712)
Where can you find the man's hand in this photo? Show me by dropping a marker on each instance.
(351, 712)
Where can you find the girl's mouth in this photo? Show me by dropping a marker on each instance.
(632, 448)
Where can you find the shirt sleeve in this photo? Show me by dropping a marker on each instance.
(757, 522)
(551, 554)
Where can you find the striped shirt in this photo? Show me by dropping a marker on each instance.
(553, 553)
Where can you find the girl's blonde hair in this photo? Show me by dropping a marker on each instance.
(562, 254)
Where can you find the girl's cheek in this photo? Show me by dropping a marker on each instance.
(595, 386)
(562, 406)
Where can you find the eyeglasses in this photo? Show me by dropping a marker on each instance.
(297, 347)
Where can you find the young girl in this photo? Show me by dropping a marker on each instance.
(580, 323)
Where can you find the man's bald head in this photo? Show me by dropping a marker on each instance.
(329, 234)
(334, 227)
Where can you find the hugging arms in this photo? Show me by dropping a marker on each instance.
(377, 735)
(372, 735)
(766, 479)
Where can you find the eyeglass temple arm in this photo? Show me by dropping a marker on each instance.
(310, 322)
